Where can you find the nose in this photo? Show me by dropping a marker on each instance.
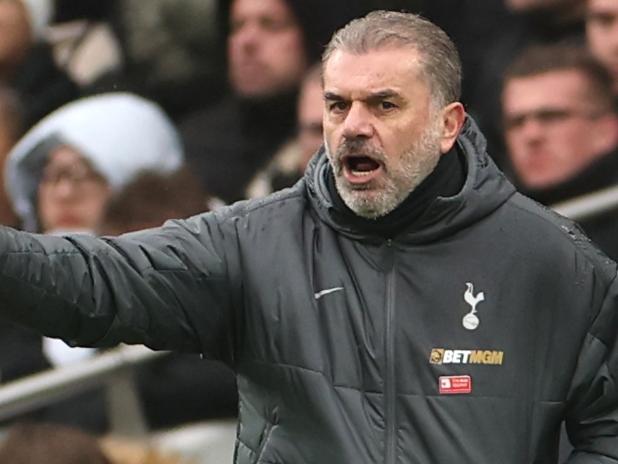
(358, 122)
(531, 130)
(64, 189)
(246, 36)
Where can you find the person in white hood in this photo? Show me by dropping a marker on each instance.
(61, 174)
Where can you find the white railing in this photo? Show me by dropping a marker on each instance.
(113, 368)
(590, 205)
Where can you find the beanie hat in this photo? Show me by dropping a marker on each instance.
(120, 134)
(40, 13)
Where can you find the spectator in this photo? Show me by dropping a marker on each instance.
(288, 165)
(50, 444)
(310, 109)
(270, 46)
(26, 60)
(562, 130)
(602, 34)
(63, 171)
(150, 199)
(531, 22)
(60, 177)
(112, 163)
(170, 50)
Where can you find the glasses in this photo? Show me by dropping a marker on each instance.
(548, 117)
(76, 176)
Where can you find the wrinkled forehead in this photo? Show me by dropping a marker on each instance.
(397, 68)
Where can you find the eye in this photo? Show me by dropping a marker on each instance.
(387, 105)
(337, 106)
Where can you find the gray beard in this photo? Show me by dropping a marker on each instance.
(416, 163)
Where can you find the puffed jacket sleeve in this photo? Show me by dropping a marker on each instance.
(167, 288)
(592, 415)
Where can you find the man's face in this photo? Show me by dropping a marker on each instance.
(265, 48)
(602, 34)
(553, 129)
(310, 109)
(382, 137)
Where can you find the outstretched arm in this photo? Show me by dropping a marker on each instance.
(168, 288)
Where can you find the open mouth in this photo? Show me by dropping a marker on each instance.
(359, 169)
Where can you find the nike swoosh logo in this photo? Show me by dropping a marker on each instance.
(321, 293)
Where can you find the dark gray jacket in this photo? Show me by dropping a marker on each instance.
(466, 339)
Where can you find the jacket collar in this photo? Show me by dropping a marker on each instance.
(484, 190)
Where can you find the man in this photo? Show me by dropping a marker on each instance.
(530, 22)
(561, 130)
(270, 44)
(602, 34)
(400, 304)
(290, 162)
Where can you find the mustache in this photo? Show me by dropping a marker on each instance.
(358, 147)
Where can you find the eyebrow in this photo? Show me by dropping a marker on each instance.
(375, 96)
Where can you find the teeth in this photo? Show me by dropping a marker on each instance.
(361, 173)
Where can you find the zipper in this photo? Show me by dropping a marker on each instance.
(390, 390)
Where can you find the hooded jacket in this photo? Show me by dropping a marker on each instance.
(466, 338)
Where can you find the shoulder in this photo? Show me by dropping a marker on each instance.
(556, 237)
(279, 204)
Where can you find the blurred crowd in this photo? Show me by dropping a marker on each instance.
(119, 115)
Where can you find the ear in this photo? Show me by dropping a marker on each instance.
(453, 117)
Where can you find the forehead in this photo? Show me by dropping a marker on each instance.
(64, 155)
(550, 89)
(260, 8)
(603, 6)
(393, 68)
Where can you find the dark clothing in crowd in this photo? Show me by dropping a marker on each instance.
(41, 85)
(354, 348)
(473, 26)
(93, 10)
(601, 174)
(21, 354)
(227, 144)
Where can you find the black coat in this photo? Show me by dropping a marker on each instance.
(468, 337)
(42, 85)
